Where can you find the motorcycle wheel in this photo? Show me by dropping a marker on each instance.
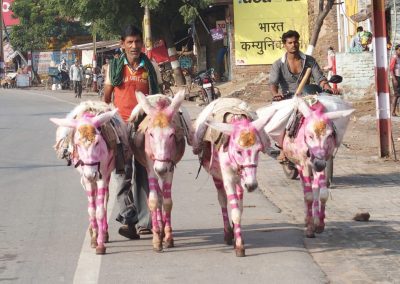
(209, 95)
(203, 96)
(290, 170)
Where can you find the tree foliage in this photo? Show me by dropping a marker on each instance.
(43, 21)
(41, 25)
(111, 16)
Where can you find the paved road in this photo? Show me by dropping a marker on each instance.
(44, 220)
(349, 251)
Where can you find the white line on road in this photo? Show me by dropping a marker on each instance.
(88, 267)
(54, 98)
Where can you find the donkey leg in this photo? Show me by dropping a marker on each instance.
(323, 198)
(236, 218)
(154, 190)
(315, 207)
(100, 216)
(167, 205)
(308, 201)
(240, 251)
(105, 222)
(90, 190)
(223, 202)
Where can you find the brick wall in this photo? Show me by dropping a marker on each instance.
(358, 73)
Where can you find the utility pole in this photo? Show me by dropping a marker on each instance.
(147, 31)
(1, 42)
(383, 113)
(94, 61)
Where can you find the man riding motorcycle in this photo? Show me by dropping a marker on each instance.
(288, 71)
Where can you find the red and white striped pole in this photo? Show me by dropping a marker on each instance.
(381, 78)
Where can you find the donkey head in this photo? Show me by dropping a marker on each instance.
(247, 139)
(90, 145)
(319, 133)
(160, 137)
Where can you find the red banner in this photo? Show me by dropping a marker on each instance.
(159, 52)
(8, 18)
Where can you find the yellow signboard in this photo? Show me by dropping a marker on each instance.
(259, 25)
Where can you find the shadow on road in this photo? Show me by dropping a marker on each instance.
(358, 180)
(367, 239)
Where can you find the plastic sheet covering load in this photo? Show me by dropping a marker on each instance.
(277, 125)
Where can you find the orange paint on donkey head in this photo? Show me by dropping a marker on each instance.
(161, 120)
(87, 132)
(247, 138)
(320, 128)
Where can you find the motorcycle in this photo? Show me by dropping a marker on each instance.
(100, 86)
(65, 80)
(288, 167)
(206, 80)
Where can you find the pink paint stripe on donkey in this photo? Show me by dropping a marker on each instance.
(93, 159)
(229, 138)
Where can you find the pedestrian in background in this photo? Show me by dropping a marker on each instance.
(361, 40)
(394, 68)
(76, 75)
(331, 67)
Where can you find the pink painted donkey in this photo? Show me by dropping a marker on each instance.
(234, 166)
(310, 150)
(159, 145)
(95, 162)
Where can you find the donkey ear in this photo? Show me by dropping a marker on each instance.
(303, 107)
(339, 113)
(66, 122)
(177, 101)
(103, 118)
(144, 102)
(262, 121)
(222, 127)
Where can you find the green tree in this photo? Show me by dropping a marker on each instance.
(41, 25)
(167, 16)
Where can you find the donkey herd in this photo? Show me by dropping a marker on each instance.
(228, 137)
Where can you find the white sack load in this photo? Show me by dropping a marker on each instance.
(277, 125)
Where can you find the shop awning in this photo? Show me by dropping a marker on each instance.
(101, 46)
(366, 13)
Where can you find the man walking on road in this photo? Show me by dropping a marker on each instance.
(394, 68)
(129, 73)
(76, 75)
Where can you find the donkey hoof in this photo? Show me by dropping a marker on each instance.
(228, 241)
(157, 248)
(169, 243)
(93, 242)
(240, 252)
(228, 237)
(100, 250)
(319, 229)
(310, 234)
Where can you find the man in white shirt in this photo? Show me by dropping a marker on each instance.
(76, 75)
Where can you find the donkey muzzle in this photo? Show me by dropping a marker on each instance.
(319, 164)
(251, 186)
(161, 167)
